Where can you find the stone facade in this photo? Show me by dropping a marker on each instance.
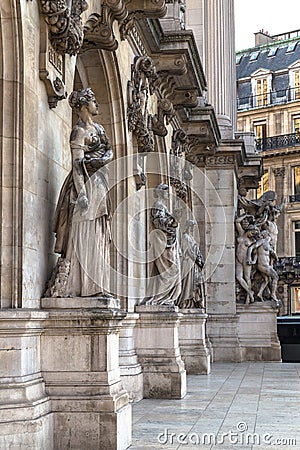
(71, 366)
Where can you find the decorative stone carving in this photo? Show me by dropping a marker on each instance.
(279, 172)
(98, 30)
(165, 110)
(177, 168)
(222, 160)
(51, 69)
(256, 248)
(165, 283)
(185, 97)
(192, 262)
(65, 26)
(140, 87)
(81, 220)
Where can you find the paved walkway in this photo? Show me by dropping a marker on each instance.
(238, 406)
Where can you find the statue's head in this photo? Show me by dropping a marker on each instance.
(161, 191)
(83, 97)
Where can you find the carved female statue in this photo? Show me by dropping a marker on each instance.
(193, 287)
(81, 221)
(165, 285)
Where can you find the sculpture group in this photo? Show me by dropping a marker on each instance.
(82, 226)
(257, 232)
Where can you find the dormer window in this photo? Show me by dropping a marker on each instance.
(254, 56)
(291, 47)
(272, 51)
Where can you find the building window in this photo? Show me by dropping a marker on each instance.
(296, 180)
(291, 47)
(296, 226)
(262, 92)
(295, 298)
(254, 56)
(295, 84)
(296, 126)
(272, 51)
(263, 186)
(260, 130)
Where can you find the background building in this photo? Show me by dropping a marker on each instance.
(268, 104)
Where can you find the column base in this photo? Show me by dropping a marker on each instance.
(257, 331)
(130, 368)
(80, 363)
(192, 342)
(157, 345)
(25, 408)
(222, 333)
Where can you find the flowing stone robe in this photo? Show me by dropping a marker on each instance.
(193, 287)
(83, 237)
(164, 287)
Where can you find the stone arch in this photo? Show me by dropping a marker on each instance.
(11, 152)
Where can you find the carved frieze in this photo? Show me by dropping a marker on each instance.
(65, 27)
(221, 160)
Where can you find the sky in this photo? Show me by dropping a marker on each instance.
(274, 16)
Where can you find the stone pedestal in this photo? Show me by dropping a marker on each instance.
(257, 332)
(223, 336)
(192, 341)
(25, 409)
(80, 364)
(130, 368)
(157, 346)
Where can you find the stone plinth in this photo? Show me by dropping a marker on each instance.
(157, 346)
(25, 408)
(257, 331)
(80, 364)
(192, 341)
(222, 333)
(131, 369)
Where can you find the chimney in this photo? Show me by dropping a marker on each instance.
(262, 37)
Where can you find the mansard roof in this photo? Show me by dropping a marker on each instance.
(260, 57)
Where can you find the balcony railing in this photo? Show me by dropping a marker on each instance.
(268, 98)
(276, 142)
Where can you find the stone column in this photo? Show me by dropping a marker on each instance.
(279, 173)
(219, 62)
(220, 264)
(80, 365)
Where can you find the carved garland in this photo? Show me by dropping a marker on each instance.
(65, 25)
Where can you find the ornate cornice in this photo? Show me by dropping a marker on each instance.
(141, 9)
(65, 27)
